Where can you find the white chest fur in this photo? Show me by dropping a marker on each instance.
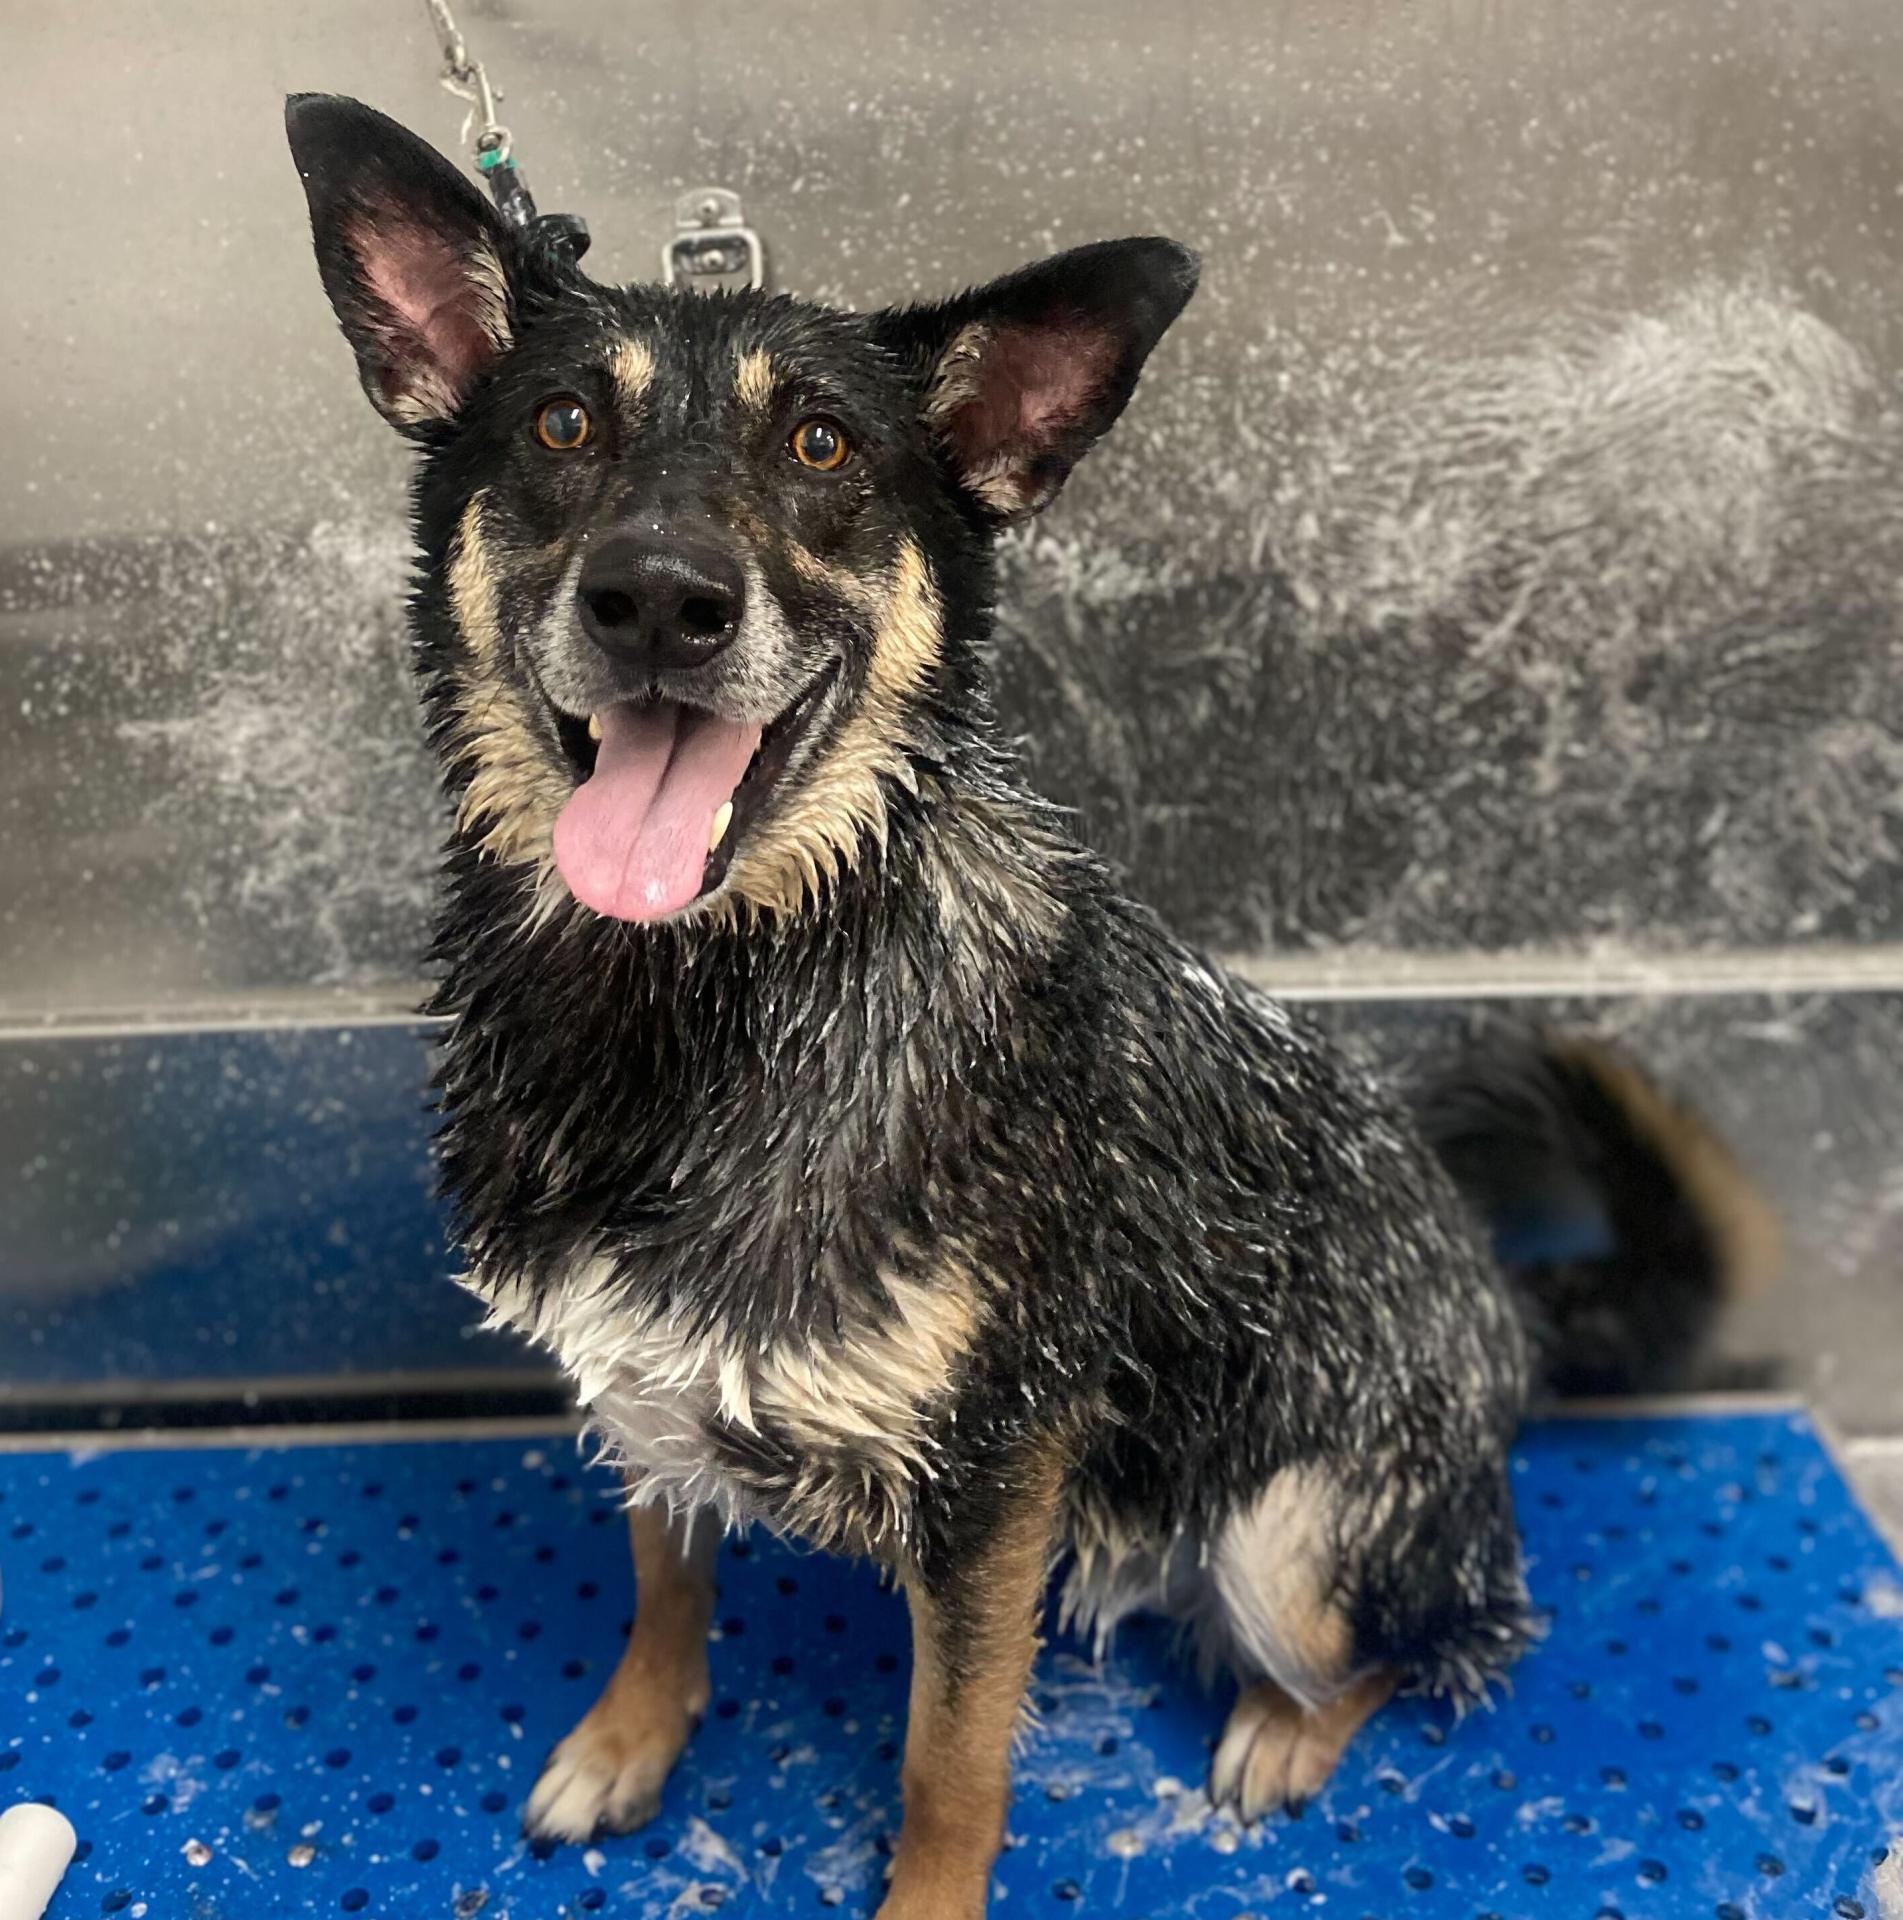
(851, 1412)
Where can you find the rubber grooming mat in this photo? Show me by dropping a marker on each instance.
(320, 1679)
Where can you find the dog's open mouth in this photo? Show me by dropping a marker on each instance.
(667, 793)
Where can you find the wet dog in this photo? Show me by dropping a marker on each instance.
(877, 1169)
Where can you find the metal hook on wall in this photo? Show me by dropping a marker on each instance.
(713, 248)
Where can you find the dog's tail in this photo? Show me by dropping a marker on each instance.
(1623, 1219)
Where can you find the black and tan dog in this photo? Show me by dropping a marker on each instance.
(878, 1170)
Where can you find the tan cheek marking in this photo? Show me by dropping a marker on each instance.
(472, 583)
(911, 635)
(841, 582)
(753, 381)
(821, 829)
(841, 804)
(631, 367)
(989, 904)
(513, 794)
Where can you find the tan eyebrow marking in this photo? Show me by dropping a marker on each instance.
(753, 380)
(631, 366)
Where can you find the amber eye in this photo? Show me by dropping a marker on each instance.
(562, 425)
(820, 444)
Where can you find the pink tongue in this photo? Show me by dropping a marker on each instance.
(632, 840)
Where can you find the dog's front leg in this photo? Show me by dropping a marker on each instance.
(974, 1632)
(608, 1774)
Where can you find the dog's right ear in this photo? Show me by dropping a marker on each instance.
(415, 262)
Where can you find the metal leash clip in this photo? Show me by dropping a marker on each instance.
(493, 147)
(713, 249)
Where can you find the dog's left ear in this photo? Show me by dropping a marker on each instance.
(1022, 376)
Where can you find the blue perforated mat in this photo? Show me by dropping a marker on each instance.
(319, 1679)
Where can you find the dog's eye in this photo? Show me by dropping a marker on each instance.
(562, 425)
(820, 444)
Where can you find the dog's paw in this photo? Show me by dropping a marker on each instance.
(1273, 1754)
(607, 1776)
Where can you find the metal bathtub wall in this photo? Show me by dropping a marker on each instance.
(1494, 586)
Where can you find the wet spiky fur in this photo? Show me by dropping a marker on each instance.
(917, 1176)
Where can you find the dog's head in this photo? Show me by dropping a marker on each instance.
(698, 560)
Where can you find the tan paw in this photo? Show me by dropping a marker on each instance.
(1277, 1753)
(608, 1774)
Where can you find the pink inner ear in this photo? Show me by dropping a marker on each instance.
(1034, 384)
(440, 311)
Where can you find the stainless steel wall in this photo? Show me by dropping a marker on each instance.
(1506, 553)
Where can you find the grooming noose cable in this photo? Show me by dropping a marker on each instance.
(493, 147)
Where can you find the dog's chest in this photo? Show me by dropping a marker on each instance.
(824, 1438)
(663, 1405)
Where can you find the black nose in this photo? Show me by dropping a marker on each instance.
(656, 601)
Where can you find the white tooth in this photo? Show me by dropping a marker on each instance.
(722, 821)
(594, 726)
